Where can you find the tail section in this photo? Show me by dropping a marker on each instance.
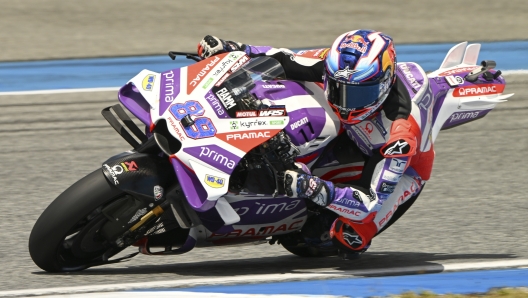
(464, 91)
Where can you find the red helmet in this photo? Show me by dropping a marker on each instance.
(360, 71)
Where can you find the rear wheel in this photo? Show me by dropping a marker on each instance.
(65, 237)
(314, 238)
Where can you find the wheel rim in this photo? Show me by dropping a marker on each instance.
(82, 245)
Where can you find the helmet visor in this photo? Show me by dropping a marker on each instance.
(357, 96)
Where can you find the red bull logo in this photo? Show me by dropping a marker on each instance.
(355, 42)
(357, 38)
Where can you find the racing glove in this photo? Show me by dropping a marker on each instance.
(212, 45)
(297, 184)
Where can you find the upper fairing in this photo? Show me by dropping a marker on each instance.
(312, 123)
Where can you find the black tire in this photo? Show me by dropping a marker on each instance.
(64, 237)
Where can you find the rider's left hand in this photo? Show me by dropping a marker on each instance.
(298, 184)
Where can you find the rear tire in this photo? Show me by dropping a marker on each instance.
(65, 237)
(307, 252)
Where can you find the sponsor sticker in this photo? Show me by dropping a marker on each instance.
(249, 135)
(386, 188)
(148, 82)
(213, 181)
(196, 72)
(454, 81)
(138, 214)
(252, 123)
(158, 192)
(247, 140)
(457, 70)
(409, 76)
(207, 83)
(246, 114)
(298, 123)
(170, 87)
(476, 90)
(276, 86)
(397, 165)
(463, 116)
(276, 122)
(226, 98)
(215, 156)
(272, 113)
(216, 105)
(233, 125)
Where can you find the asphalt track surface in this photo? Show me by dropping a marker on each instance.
(473, 208)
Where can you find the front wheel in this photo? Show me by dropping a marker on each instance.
(65, 237)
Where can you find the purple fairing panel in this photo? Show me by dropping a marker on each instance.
(439, 89)
(305, 124)
(192, 188)
(411, 76)
(215, 156)
(130, 97)
(268, 210)
(276, 90)
(459, 118)
(218, 108)
(169, 88)
(255, 50)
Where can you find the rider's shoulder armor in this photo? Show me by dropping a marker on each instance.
(403, 139)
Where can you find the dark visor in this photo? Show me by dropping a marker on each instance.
(357, 96)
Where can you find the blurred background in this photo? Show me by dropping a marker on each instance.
(473, 208)
(55, 29)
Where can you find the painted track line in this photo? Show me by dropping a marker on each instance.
(267, 278)
(106, 89)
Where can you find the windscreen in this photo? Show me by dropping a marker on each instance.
(235, 92)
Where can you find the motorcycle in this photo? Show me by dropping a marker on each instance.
(206, 169)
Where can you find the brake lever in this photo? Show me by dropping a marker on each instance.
(193, 56)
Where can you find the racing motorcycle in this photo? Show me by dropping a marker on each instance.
(206, 169)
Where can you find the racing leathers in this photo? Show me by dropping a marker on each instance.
(397, 149)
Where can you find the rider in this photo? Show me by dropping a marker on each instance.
(359, 79)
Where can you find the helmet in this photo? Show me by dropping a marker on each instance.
(359, 73)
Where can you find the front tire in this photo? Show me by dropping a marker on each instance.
(65, 237)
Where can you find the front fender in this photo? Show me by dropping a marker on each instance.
(140, 174)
